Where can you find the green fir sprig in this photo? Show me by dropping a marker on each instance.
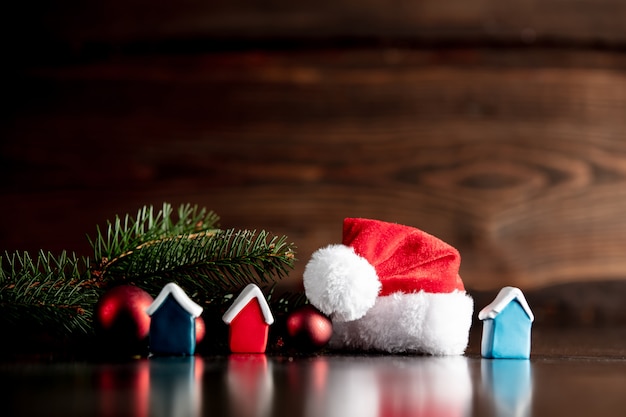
(57, 294)
(47, 293)
(204, 264)
(128, 233)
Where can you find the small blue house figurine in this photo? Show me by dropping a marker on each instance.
(173, 322)
(507, 322)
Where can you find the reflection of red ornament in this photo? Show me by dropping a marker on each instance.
(121, 320)
(308, 328)
(200, 329)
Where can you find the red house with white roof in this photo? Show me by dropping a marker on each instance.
(249, 318)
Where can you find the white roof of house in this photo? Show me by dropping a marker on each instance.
(504, 297)
(251, 291)
(179, 295)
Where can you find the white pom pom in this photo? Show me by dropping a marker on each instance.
(340, 283)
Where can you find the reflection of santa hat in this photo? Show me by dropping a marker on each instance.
(391, 287)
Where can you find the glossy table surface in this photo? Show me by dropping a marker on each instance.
(575, 372)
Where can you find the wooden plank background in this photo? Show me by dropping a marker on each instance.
(498, 127)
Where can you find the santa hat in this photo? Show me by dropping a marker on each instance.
(392, 288)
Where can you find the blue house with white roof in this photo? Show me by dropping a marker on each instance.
(507, 323)
(173, 322)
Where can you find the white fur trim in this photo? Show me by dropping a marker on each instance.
(430, 323)
(340, 283)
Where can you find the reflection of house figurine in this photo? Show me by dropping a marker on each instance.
(174, 387)
(249, 318)
(173, 322)
(250, 383)
(507, 322)
(510, 385)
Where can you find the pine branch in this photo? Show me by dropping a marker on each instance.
(208, 265)
(49, 294)
(128, 233)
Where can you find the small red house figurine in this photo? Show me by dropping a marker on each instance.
(249, 318)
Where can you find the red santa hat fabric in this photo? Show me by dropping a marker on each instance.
(406, 259)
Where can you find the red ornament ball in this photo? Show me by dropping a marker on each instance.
(200, 329)
(121, 321)
(308, 328)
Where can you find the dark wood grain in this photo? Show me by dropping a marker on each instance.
(516, 158)
(76, 23)
(496, 126)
